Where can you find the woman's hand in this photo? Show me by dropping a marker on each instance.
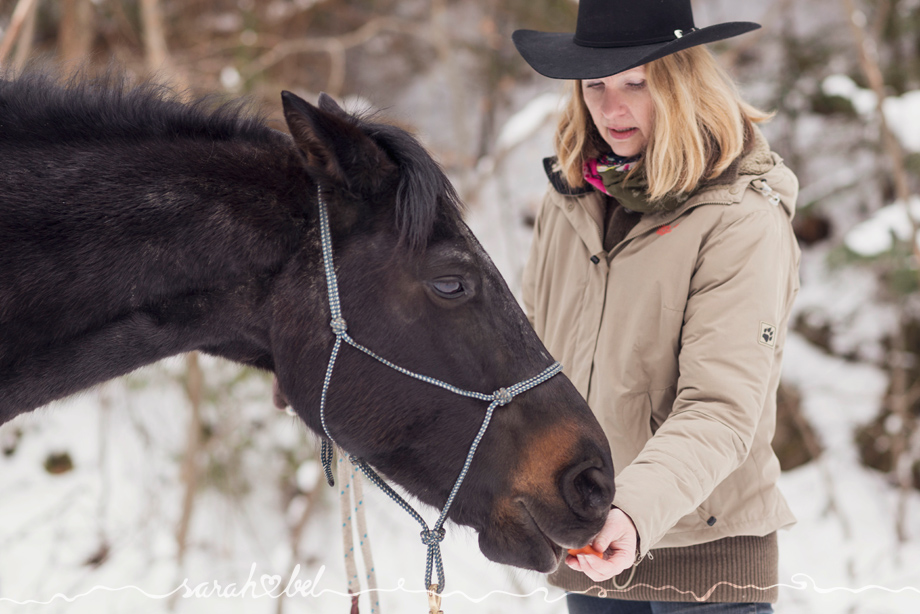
(617, 540)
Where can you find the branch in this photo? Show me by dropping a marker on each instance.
(296, 531)
(331, 44)
(26, 41)
(190, 470)
(23, 9)
(868, 61)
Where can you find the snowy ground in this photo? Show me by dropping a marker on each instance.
(125, 491)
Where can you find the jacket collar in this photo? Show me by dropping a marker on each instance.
(584, 207)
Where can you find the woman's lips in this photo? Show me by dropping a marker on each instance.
(622, 135)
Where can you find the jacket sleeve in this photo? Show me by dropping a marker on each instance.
(739, 289)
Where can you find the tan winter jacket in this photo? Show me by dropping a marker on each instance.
(675, 338)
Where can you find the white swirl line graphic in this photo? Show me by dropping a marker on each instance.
(271, 583)
(90, 591)
(800, 581)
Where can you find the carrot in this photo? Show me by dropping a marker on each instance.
(586, 550)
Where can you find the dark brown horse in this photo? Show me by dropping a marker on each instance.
(134, 227)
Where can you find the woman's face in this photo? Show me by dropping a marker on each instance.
(621, 107)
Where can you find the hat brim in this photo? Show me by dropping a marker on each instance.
(555, 54)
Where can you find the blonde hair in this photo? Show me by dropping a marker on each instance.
(701, 125)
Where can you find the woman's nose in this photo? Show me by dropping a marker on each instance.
(612, 106)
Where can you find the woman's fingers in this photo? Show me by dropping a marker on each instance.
(617, 540)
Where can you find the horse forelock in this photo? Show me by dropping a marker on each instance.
(40, 106)
(424, 194)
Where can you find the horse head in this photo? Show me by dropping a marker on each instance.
(418, 289)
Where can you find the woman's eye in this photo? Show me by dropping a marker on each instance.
(636, 86)
(448, 288)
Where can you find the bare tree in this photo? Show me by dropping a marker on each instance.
(902, 395)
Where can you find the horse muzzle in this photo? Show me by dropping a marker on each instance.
(561, 496)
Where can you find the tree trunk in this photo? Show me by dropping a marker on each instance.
(26, 40)
(76, 31)
(154, 35)
(24, 8)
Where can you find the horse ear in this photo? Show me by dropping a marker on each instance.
(327, 103)
(333, 144)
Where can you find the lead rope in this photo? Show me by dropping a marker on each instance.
(433, 537)
(354, 518)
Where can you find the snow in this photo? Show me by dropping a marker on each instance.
(528, 120)
(902, 113)
(876, 235)
(230, 78)
(125, 491)
(864, 101)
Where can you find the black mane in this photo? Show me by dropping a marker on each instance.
(41, 108)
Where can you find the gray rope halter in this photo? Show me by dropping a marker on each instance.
(430, 537)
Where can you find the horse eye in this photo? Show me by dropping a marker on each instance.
(448, 288)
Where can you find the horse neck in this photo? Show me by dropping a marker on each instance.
(168, 219)
(134, 252)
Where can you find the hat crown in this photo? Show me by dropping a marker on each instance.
(629, 23)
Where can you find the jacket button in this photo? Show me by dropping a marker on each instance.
(569, 206)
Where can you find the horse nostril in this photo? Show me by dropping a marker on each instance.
(588, 491)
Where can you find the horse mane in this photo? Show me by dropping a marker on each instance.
(42, 107)
(39, 106)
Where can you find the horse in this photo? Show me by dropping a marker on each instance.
(135, 226)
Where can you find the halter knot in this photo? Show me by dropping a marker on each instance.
(502, 396)
(339, 327)
(433, 537)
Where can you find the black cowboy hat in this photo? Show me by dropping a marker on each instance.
(616, 35)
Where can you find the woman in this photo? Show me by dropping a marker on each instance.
(662, 273)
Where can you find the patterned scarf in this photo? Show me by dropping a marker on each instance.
(610, 174)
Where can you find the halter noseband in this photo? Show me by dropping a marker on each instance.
(430, 537)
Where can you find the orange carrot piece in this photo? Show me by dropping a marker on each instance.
(586, 550)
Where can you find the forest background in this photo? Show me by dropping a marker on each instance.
(185, 471)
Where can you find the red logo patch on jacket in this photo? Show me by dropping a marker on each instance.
(666, 229)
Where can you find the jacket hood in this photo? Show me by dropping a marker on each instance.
(768, 174)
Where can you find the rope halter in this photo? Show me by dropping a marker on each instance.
(433, 537)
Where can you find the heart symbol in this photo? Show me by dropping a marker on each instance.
(270, 583)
